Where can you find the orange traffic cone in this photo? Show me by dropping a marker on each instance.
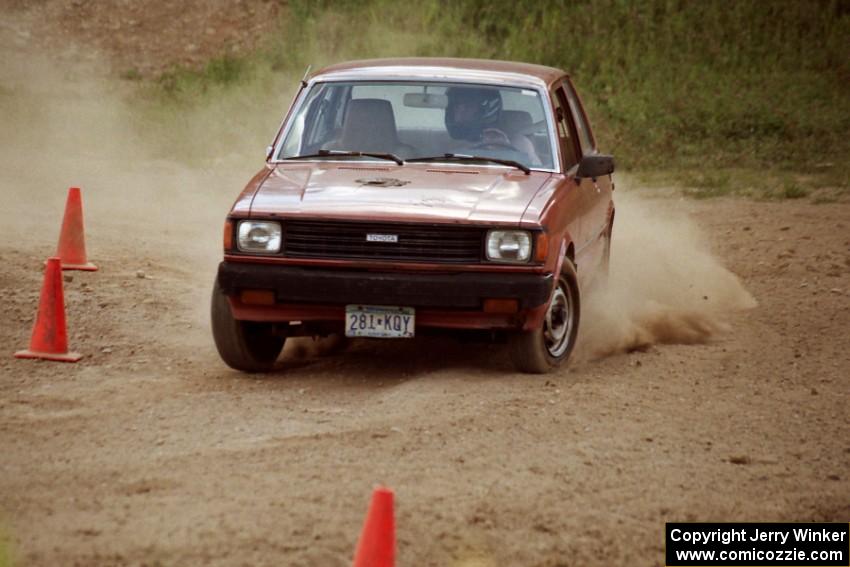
(72, 239)
(49, 336)
(376, 547)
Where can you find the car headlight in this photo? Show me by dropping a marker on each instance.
(508, 245)
(261, 237)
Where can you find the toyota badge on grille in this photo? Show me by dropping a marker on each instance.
(381, 238)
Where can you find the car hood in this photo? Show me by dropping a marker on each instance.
(409, 192)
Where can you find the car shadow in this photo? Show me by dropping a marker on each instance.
(379, 359)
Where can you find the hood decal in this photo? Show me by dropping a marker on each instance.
(381, 182)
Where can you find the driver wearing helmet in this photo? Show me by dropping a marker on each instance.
(472, 117)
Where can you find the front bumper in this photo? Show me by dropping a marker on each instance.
(465, 290)
(442, 299)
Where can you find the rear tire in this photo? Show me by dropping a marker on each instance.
(545, 349)
(243, 345)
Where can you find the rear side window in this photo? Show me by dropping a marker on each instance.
(525, 101)
(565, 131)
(580, 120)
(406, 117)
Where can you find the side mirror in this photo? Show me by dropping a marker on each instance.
(595, 165)
(269, 150)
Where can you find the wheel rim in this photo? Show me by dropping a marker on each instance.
(558, 324)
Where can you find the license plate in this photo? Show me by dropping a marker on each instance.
(379, 321)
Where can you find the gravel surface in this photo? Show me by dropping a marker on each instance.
(711, 382)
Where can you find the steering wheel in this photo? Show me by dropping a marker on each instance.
(494, 139)
(494, 146)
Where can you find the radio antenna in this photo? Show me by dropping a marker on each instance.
(304, 78)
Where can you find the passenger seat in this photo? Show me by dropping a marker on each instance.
(369, 126)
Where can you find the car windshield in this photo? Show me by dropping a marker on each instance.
(420, 120)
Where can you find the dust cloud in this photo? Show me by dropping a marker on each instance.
(148, 166)
(665, 285)
(157, 176)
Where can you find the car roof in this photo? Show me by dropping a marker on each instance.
(507, 72)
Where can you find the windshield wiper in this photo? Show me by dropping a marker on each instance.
(344, 153)
(465, 157)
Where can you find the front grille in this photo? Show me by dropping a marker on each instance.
(416, 243)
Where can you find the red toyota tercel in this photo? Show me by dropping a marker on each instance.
(401, 195)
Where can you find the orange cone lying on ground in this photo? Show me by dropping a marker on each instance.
(376, 547)
(49, 336)
(72, 239)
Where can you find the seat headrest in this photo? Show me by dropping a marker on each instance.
(513, 121)
(369, 126)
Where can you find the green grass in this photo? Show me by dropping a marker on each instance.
(5, 552)
(704, 184)
(703, 89)
(793, 190)
(131, 74)
(756, 183)
(220, 71)
(825, 199)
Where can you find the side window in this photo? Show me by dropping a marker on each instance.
(293, 140)
(580, 121)
(325, 117)
(565, 131)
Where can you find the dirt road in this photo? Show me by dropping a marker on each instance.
(151, 452)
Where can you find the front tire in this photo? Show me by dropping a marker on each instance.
(545, 349)
(243, 345)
